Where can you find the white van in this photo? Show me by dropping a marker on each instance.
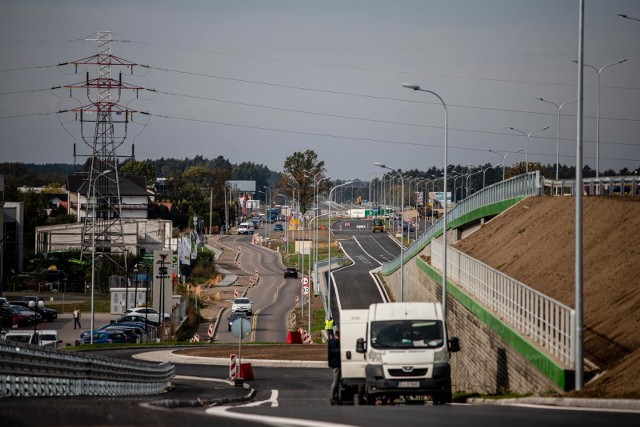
(21, 337)
(49, 338)
(406, 352)
(245, 228)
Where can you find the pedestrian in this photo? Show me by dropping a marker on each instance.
(333, 349)
(76, 318)
(328, 326)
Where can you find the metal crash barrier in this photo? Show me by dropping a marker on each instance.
(33, 371)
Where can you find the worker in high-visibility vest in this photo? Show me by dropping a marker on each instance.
(328, 325)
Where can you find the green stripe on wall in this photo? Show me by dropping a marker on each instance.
(537, 357)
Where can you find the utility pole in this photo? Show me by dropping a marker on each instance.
(103, 124)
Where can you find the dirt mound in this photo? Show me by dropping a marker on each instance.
(534, 242)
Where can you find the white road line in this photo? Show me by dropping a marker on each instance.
(223, 411)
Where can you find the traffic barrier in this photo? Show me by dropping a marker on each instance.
(236, 293)
(210, 331)
(246, 372)
(233, 366)
(297, 301)
(196, 338)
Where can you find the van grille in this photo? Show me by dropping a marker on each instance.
(414, 373)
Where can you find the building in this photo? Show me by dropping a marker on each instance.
(134, 197)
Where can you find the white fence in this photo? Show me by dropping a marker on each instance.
(543, 320)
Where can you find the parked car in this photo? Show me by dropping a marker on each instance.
(12, 315)
(28, 312)
(245, 228)
(130, 334)
(236, 315)
(242, 304)
(410, 227)
(152, 314)
(48, 314)
(291, 272)
(48, 338)
(136, 318)
(139, 328)
(278, 227)
(21, 337)
(106, 337)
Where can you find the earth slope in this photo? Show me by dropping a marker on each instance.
(534, 242)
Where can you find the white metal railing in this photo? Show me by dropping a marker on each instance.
(543, 320)
(521, 185)
(621, 186)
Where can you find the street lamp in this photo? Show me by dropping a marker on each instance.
(446, 165)
(599, 71)
(622, 15)
(135, 282)
(330, 279)
(33, 305)
(526, 145)
(504, 157)
(382, 165)
(483, 175)
(558, 107)
(286, 230)
(93, 254)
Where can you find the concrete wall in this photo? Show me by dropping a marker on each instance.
(487, 363)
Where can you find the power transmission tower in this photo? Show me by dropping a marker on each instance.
(103, 127)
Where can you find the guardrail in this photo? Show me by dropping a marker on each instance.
(622, 186)
(33, 371)
(519, 186)
(541, 319)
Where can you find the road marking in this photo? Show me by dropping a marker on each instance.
(223, 411)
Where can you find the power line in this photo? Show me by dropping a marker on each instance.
(358, 68)
(354, 138)
(477, 107)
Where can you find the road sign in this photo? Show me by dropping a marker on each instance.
(305, 280)
(241, 326)
(305, 290)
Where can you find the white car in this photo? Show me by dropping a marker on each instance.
(242, 304)
(149, 313)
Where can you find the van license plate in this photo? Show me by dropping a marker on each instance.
(408, 384)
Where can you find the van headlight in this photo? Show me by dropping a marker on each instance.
(441, 356)
(375, 357)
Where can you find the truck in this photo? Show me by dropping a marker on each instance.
(395, 350)
(378, 225)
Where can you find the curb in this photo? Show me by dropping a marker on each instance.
(564, 402)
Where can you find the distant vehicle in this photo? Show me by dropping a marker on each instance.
(245, 228)
(278, 227)
(106, 337)
(147, 312)
(378, 225)
(49, 338)
(136, 318)
(15, 315)
(291, 272)
(21, 337)
(48, 314)
(256, 223)
(236, 315)
(409, 227)
(242, 304)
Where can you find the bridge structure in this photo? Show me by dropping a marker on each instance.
(526, 331)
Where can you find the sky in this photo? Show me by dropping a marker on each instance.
(256, 81)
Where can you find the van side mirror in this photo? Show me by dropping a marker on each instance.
(361, 345)
(454, 344)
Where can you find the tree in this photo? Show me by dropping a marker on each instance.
(299, 170)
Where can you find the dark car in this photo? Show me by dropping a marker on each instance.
(278, 227)
(14, 315)
(291, 272)
(409, 227)
(236, 315)
(48, 314)
(106, 337)
(136, 318)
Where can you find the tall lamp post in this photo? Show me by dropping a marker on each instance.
(286, 230)
(504, 157)
(93, 254)
(526, 145)
(329, 255)
(382, 165)
(558, 107)
(135, 283)
(34, 305)
(446, 165)
(599, 71)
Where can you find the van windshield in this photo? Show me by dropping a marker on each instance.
(406, 334)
